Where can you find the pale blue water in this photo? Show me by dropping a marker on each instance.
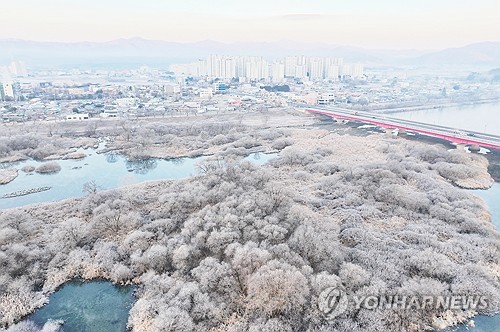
(492, 198)
(482, 324)
(487, 323)
(88, 306)
(107, 170)
(484, 118)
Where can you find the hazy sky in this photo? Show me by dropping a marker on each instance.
(421, 24)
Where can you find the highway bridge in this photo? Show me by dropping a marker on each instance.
(380, 120)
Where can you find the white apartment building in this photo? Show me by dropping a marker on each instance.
(256, 69)
(292, 63)
(6, 90)
(316, 68)
(277, 72)
(332, 73)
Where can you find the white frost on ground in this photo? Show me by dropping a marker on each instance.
(7, 175)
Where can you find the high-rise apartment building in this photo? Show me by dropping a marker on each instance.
(316, 68)
(277, 72)
(332, 73)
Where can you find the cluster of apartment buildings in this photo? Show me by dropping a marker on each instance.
(15, 69)
(255, 68)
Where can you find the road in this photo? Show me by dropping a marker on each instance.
(451, 134)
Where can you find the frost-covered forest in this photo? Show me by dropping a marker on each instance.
(162, 138)
(249, 248)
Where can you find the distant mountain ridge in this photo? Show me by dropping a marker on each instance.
(161, 53)
(480, 53)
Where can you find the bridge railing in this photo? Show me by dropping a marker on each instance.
(457, 136)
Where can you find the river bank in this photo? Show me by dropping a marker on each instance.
(7, 175)
(494, 164)
(436, 106)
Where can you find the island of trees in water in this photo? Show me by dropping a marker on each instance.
(248, 248)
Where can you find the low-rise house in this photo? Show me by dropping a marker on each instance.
(77, 116)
